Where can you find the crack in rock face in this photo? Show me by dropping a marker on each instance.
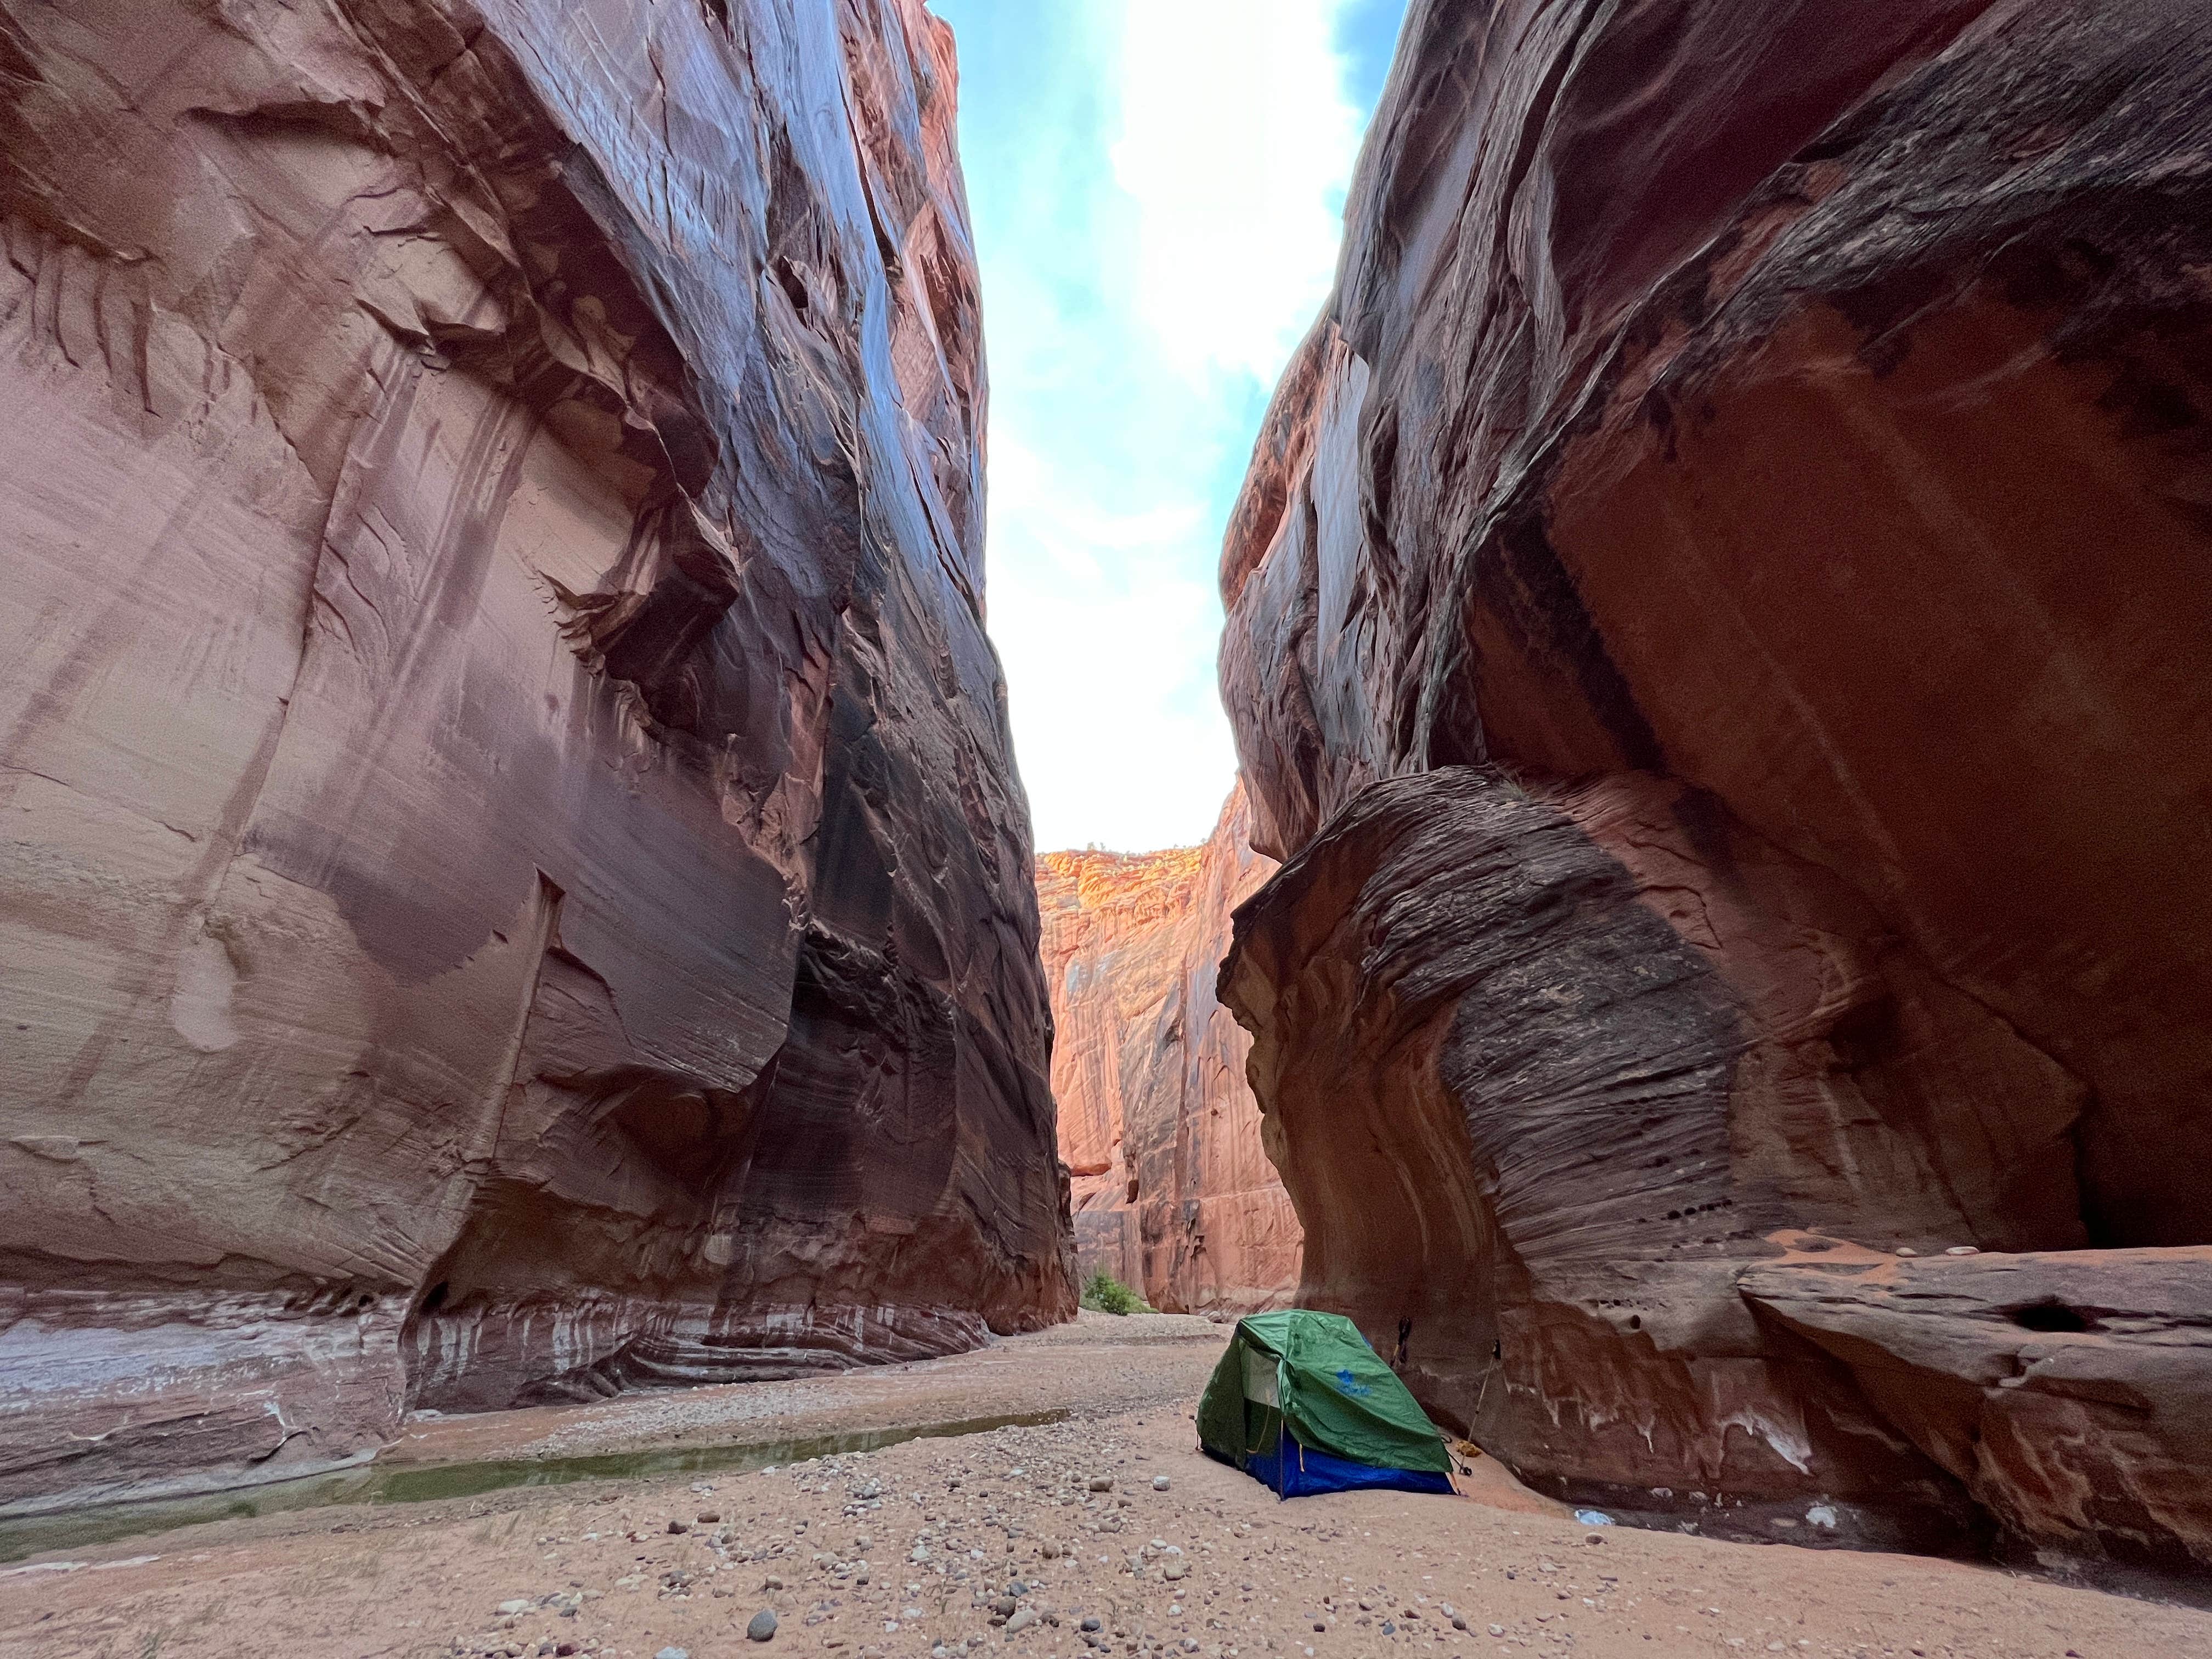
(508, 799)
(1715, 631)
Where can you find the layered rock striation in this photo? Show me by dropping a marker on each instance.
(1174, 1193)
(2070, 1392)
(515, 880)
(1716, 631)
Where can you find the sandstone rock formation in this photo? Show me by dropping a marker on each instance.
(2070, 1392)
(1717, 629)
(1174, 1194)
(514, 877)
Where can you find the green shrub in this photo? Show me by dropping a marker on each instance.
(1103, 1293)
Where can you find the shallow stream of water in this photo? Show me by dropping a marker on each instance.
(422, 1483)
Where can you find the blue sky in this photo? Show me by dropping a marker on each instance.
(1157, 190)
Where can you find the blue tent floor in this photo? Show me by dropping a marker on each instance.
(1291, 1470)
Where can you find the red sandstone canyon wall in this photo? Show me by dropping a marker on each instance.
(1717, 631)
(1174, 1193)
(513, 881)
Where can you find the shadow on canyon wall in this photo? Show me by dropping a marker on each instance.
(1717, 632)
(515, 881)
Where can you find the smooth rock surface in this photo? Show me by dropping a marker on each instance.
(1716, 627)
(513, 879)
(1173, 1191)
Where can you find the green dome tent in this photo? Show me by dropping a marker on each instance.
(1301, 1403)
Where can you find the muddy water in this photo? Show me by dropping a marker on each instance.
(422, 1483)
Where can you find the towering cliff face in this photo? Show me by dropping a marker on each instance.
(1174, 1194)
(514, 877)
(1718, 627)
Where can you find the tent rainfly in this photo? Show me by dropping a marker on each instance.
(1301, 1403)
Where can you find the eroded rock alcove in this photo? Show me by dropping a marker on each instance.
(515, 880)
(1716, 631)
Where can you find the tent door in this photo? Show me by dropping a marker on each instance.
(1260, 1379)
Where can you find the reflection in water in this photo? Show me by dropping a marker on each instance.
(426, 1483)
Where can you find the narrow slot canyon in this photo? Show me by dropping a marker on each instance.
(1175, 1194)
(1620, 592)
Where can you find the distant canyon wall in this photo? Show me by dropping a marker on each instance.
(1174, 1194)
(513, 882)
(1717, 631)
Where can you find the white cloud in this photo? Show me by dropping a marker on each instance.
(1158, 188)
(1236, 144)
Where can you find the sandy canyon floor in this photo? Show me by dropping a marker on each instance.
(990, 1539)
